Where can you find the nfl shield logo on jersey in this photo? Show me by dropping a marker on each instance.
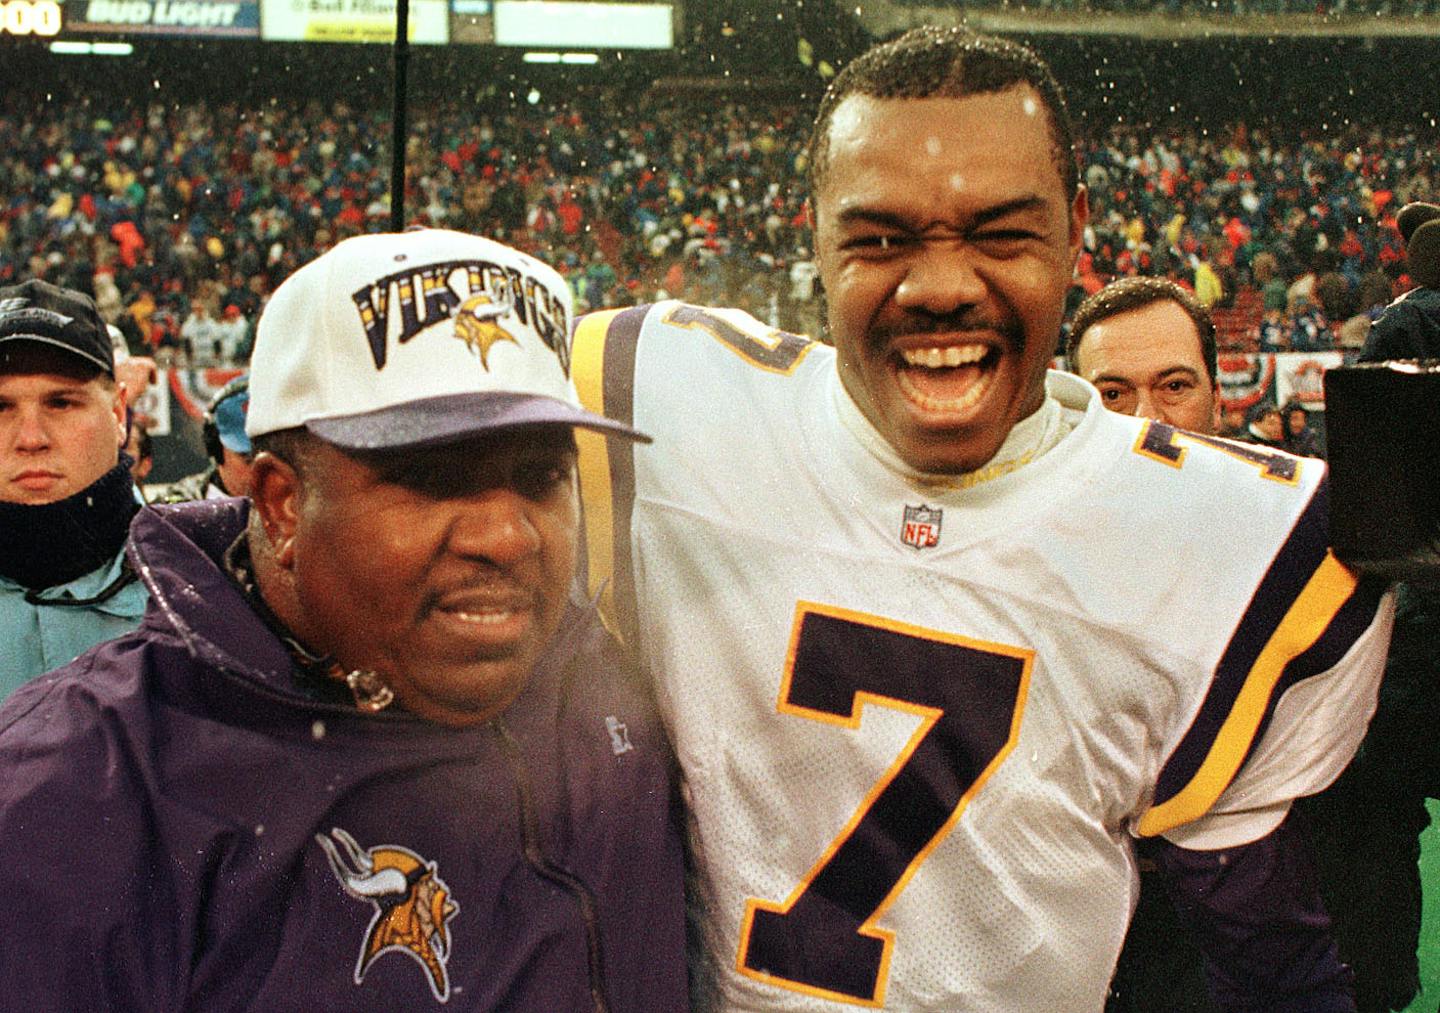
(921, 527)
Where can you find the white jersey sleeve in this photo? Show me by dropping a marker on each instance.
(1294, 689)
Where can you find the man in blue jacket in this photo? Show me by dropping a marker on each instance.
(367, 751)
(66, 497)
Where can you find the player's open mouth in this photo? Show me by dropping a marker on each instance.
(947, 379)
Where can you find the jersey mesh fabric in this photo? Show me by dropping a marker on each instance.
(1034, 876)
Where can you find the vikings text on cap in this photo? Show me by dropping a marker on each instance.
(530, 299)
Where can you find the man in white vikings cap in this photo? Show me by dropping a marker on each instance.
(368, 750)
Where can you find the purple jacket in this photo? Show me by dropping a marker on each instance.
(184, 826)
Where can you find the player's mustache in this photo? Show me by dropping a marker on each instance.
(965, 322)
(482, 590)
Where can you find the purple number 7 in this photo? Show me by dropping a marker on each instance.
(970, 695)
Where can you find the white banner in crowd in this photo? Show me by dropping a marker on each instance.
(155, 404)
(1300, 376)
(1247, 378)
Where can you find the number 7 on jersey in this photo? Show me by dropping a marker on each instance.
(969, 695)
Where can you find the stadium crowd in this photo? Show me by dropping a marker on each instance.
(182, 218)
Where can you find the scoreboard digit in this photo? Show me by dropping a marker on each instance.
(29, 17)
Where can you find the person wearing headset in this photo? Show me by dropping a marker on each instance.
(227, 446)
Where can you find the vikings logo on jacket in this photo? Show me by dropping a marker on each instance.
(412, 905)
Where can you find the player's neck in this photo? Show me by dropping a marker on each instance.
(1028, 440)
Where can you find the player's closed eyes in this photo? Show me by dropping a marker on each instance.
(875, 246)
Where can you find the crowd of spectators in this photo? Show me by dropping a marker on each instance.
(1294, 232)
(182, 218)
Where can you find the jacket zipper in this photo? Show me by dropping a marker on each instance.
(560, 876)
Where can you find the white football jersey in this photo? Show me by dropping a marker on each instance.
(920, 718)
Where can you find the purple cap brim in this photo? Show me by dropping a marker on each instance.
(446, 419)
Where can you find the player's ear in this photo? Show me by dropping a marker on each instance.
(275, 487)
(118, 402)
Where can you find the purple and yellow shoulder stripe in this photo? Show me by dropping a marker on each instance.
(603, 368)
(1305, 615)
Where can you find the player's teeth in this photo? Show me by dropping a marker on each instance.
(483, 618)
(948, 356)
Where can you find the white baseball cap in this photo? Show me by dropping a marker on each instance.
(415, 339)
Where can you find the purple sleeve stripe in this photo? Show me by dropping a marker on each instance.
(621, 344)
(1306, 613)
(604, 362)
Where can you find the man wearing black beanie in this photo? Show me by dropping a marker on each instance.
(66, 495)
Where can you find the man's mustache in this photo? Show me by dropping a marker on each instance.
(964, 322)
